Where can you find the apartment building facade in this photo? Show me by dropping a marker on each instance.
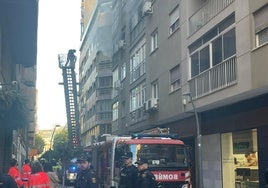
(212, 50)
(172, 59)
(18, 44)
(95, 74)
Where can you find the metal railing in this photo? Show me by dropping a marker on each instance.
(218, 77)
(206, 13)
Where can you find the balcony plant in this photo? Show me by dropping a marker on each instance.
(13, 109)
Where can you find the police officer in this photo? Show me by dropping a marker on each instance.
(86, 177)
(128, 173)
(145, 179)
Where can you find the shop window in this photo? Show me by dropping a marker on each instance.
(240, 157)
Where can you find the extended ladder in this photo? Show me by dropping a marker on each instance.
(67, 64)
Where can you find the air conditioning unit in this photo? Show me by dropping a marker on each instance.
(117, 84)
(151, 104)
(147, 8)
(121, 43)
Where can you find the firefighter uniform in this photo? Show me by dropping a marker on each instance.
(86, 179)
(15, 174)
(25, 174)
(39, 180)
(146, 179)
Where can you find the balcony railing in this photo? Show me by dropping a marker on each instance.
(220, 76)
(206, 13)
(137, 115)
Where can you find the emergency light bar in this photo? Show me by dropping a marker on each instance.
(142, 135)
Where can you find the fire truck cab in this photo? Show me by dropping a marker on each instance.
(168, 159)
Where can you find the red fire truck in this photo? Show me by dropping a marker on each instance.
(168, 158)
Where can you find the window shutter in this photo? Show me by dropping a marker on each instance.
(261, 19)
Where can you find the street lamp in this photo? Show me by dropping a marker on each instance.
(52, 136)
(51, 140)
(198, 142)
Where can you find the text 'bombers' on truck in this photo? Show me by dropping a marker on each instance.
(168, 158)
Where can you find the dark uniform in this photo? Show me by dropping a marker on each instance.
(128, 176)
(6, 181)
(86, 176)
(146, 179)
(129, 173)
(86, 179)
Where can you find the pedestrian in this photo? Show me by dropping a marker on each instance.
(128, 173)
(38, 178)
(6, 181)
(15, 173)
(86, 177)
(26, 172)
(145, 179)
(53, 177)
(250, 161)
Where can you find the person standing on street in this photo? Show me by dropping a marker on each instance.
(26, 172)
(128, 173)
(53, 177)
(146, 179)
(15, 173)
(6, 181)
(86, 177)
(38, 178)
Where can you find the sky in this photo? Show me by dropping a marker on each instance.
(58, 31)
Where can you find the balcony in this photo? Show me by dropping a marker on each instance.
(208, 11)
(218, 77)
(137, 115)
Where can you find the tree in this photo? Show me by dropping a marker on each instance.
(39, 144)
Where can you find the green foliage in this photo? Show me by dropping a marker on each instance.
(13, 108)
(63, 150)
(39, 144)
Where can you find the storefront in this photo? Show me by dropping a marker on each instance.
(231, 133)
(242, 159)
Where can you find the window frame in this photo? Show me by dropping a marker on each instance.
(175, 83)
(174, 20)
(154, 40)
(261, 25)
(209, 44)
(137, 97)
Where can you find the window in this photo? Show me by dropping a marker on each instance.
(213, 48)
(115, 110)
(261, 25)
(155, 90)
(115, 77)
(137, 97)
(200, 61)
(154, 40)
(137, 62)
(174, 20)
(123, 71)
(175, 78)
(242, 146)
(105, 81)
